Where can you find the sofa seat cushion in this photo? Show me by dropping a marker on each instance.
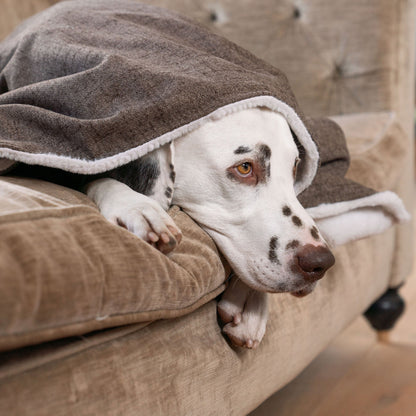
(65, 270)
(185, 366)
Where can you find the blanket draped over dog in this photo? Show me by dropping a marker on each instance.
(86, 87)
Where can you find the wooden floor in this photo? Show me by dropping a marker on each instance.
(357, 375)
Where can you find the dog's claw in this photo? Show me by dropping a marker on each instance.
(165, 238)
(153, 237)
(176, 233)
(252, 345)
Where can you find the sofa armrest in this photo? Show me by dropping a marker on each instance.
(381, 158)
(378, 147)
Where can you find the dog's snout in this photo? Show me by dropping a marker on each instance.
(314, 261)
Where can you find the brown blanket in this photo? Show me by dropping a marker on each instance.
(87, 87)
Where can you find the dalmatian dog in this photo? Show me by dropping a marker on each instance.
(235, 177)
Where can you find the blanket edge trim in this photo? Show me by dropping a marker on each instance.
(387, 200)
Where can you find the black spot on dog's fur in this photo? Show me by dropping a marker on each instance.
(297, 221)
(168, 192)
(292, 244)
(273, 245)
(315, 233)
(264, 154)
(241, 150)
(140, 175)
(286, 211)
(172, 174)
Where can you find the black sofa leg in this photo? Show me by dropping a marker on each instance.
(384, 313)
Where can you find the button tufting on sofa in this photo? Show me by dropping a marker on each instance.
(217, 14)
(297, 13)
(338, 71)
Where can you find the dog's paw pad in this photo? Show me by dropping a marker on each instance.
(152, 237)
(239, 340)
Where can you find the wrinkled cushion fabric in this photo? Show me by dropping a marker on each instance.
(65, 270)
(185, 366)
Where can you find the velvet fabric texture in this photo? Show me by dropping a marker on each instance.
(66, 271)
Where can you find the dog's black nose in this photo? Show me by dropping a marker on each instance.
(314, 261)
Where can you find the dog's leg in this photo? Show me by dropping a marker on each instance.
(244, 311)
(136, 212)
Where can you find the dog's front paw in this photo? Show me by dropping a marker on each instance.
(136, 212)
(147, 220)
(244, 312)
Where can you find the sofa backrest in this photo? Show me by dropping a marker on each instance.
(341, 57)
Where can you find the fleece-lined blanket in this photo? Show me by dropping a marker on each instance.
(87, 87)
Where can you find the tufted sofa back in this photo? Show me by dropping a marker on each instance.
(343, 56)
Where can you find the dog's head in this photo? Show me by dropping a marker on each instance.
(236, 177)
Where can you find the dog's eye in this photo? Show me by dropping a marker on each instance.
(244, 169)
(295, 167)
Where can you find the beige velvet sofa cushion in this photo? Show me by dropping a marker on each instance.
(185, 366)
(65, 270)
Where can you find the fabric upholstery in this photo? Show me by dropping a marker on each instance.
(377, 144)
(377, 141)
(66, 271)
(185, 366)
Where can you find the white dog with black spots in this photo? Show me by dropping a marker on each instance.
(235, 177)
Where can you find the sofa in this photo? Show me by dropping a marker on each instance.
(84, 332)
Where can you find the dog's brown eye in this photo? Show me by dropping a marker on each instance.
(244, 169)
(295, 167)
